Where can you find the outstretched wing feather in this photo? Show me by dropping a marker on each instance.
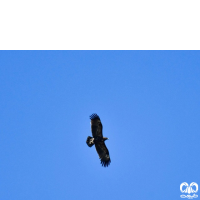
(103, 153)
(96, 126)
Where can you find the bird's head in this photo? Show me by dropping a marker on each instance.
(105, 138)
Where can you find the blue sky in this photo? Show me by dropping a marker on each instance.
(149, 105)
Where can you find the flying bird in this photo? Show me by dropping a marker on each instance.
(98, 140)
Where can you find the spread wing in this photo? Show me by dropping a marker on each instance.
(96, 126)
(103, 153)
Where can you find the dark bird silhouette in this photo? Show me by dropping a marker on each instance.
(98, 140)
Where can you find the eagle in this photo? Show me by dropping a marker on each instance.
(98, 140)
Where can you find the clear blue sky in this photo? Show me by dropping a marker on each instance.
(148, 102)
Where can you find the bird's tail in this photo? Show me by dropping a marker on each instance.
(90, 141)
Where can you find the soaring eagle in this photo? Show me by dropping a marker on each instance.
(98, 140)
